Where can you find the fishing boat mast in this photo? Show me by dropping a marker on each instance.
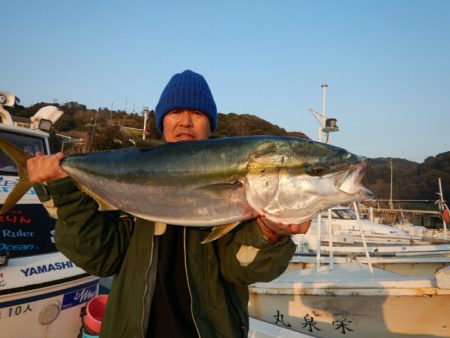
(326, 125)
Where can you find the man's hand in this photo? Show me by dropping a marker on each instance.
(273, 231)
(45, 168)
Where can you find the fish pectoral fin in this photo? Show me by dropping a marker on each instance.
(220, 231)
(104, 206)
(220, 190)
(160, 228)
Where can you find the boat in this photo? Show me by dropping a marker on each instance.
(346, 236)
(42, 293)
(350, 300)
(353, 277)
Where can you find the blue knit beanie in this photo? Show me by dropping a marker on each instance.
(186, 90)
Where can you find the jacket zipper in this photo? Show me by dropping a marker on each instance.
(146, 288)
(187, 280)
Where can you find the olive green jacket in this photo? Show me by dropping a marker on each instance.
(119, 245)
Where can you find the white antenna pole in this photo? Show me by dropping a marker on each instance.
(322, 118)
(324, 104)
(324, 111)
(442, 206)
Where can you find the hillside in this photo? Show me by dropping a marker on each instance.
(411, 180)
(114, 129)
(104, 129)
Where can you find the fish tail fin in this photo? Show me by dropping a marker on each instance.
(24, 184)
(220, 231)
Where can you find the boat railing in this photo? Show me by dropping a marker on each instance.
(330, 239)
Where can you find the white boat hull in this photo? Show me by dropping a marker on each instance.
(357, 316)
(43, 297)
(349, 301)
(47, 312)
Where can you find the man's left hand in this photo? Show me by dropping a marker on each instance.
(273, 231)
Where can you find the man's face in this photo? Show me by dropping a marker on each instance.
(186, 125)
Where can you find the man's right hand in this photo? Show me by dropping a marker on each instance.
(45, 168)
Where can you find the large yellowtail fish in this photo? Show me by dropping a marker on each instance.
(214, 182)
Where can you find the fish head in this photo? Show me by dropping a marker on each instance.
(338, 169)
(313, 176)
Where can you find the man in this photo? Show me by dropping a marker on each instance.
(166, 283)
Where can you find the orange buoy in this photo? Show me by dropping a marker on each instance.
(446, 216)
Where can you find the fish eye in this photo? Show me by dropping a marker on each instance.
(317, 169)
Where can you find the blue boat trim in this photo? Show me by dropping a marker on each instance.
(47, 295)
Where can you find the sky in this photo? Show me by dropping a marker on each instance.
(386, 62)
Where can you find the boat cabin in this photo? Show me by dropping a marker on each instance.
(42, 292)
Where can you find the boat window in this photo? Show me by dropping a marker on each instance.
(334, 214)
(345, 213)
(28, 143)
(26, 229)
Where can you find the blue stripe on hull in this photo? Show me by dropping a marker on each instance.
(47, 295)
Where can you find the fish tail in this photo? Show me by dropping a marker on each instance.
(20, 157)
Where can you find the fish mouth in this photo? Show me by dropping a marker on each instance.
(351, 183)
(366, 194)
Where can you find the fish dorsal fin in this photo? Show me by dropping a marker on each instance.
(220, 231)
(220, 190)
(102, 204)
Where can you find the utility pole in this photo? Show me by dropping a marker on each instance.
(391, 205)
(144, 129)
(93, 132)
(111, 113)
